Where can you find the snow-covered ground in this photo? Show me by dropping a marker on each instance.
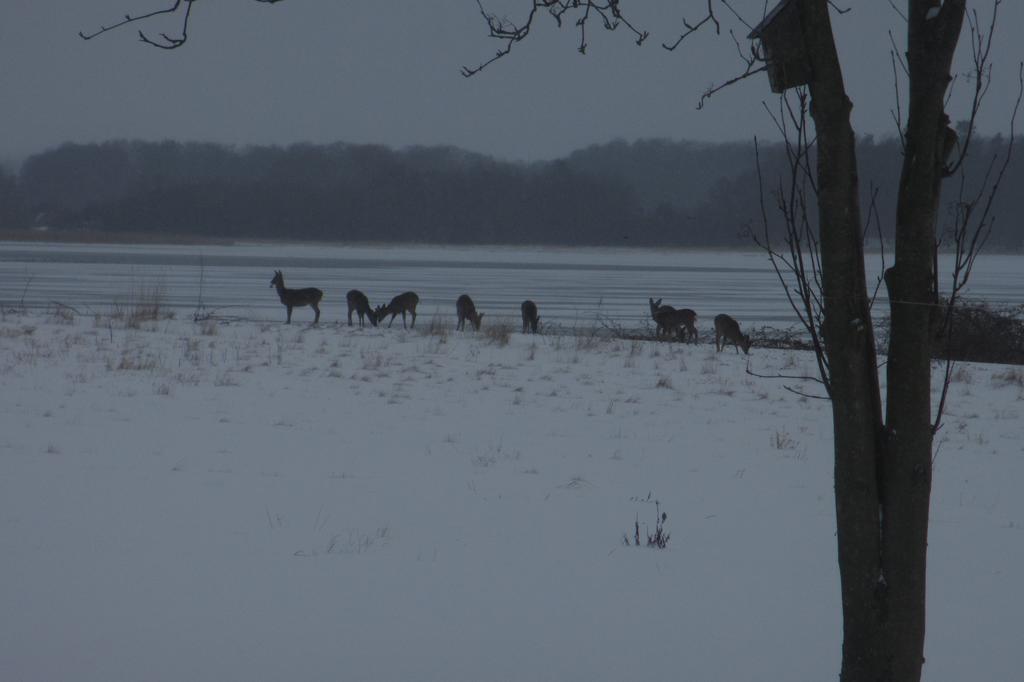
(256, 501)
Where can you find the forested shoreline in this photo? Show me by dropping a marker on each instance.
(643, 193)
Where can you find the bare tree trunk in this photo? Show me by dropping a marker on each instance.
(850, 346)
(882, 473)
(906, 472)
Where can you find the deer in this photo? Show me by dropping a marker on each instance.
(657, 307)
(671, 321)
(681, 323)
(727, 330)
(465, 310)
(403, 303)
(530, 317)
(358, 303)
(296, 298)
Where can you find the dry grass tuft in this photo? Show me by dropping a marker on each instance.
(498, 331)
(63, 314)
(144, 304)
(1013, 376)
(438, 328)
(208, 327)
(781, 440)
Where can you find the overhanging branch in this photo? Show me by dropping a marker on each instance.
(165, 41)
(511, 33)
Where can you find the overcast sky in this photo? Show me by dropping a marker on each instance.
(388, 72)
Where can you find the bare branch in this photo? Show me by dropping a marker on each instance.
(898, 11)
(511, 33)
(165, 41)
(129, 19)
(790, 388)
(707, 94)
(799, 269)
(708, 18)
(970, 232)
(981, 75)
(898, 114)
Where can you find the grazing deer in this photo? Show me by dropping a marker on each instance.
(727, 330)
(403, 303)
(465, 309)
(296, 298)
(530, 317)
(358, 302)
(671, 321)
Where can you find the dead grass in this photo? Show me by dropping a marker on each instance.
(134, 360)
(1013, 376)
(15, 332)
(145, 303)
(781, 440)
(961, 375)
(498, 331)
(438, 327)
(63, 314)
(208, 327)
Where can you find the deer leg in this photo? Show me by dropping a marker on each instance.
(413, 319)
(317, 309)
(289, 320)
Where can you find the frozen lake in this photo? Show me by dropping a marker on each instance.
(572, 286)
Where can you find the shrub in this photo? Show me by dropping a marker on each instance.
(983, 333)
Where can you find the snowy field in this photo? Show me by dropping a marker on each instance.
(255, 501)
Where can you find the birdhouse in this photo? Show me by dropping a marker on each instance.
(782, 46)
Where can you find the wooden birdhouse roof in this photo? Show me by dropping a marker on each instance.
(769, 19)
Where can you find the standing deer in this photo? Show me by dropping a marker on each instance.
(530, 317)
(465, 310)
(671, 321)
(657, 307)
(727, 330)
(358, 302)
(296, 298)
(681, 323)
(403, 303)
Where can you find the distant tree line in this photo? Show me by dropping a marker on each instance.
(649, 192)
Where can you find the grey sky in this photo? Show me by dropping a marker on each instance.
(388, 72)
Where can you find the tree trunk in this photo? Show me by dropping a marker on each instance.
(882, 472)
(907, 467)
(850, 346)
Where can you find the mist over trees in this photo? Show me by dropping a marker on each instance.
(648, 192)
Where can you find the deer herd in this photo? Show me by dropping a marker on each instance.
(670, 322)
